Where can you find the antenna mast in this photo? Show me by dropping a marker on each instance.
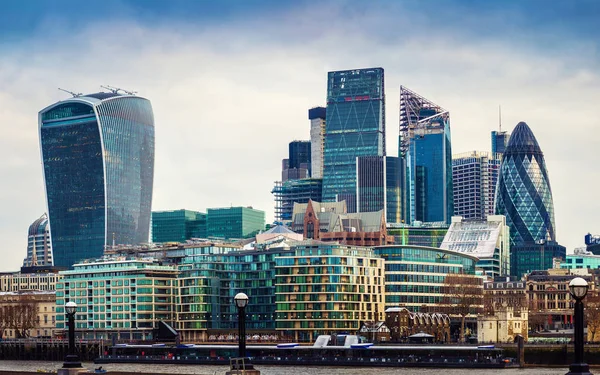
(500, 117)
(75, 94)
(115, 90)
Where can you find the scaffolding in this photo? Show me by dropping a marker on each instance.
(294, 191)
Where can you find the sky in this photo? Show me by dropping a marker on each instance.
(231, 83)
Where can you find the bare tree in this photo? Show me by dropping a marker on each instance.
(22, 317)
(464, 296)
(592, 316)
(4, 320)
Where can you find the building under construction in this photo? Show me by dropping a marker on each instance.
(299, 191)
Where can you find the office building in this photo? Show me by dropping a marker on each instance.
(488, 240)
(592, 243)
(298, 163)
(527, 257)
(98, 164)
(325, 288)
(317, 117)
(426, 153)
(300, 154)
(39, 246)
(378, 186)
(524, 196)
(120, 297)
(415, 276)
(295, 191)
(499, 142)
(474, 177)
(355, 127)
(178, 225)
(420, 234)
(581, 261)
(234, 222)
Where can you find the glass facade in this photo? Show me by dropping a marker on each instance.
(327, 288)
(295, 191)
(415, 275)
(178, 225)
(234, 222)
(426, 152)
(534, 256)
(499, 141)
(39, 248)
(474, 177)
(523, 194)
(420, 236)
(299, 152)
(117, 296)
(355, 127)
(378, 186)
(98, 161)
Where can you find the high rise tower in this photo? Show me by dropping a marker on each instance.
(98, 159)
(39, 248)
(317, 117)
(474, 177)
(355, 127)
(524, 196)
(426, 153)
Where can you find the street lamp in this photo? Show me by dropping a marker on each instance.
(241, 301)
(578, 288)
(71, 360)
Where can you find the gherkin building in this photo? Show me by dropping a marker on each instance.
(523, 192)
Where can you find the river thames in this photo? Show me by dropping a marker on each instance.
(33, 366)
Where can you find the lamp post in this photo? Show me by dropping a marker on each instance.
(578, 288)
(71, 360)
(241, 301)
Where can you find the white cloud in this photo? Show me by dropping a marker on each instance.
(229, 98)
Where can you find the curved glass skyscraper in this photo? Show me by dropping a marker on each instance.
(98, 159)
(523, 192)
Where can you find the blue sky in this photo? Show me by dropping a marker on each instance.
(231, 81)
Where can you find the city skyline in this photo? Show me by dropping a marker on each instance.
(225, 112)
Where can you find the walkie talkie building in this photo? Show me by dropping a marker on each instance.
(98, 161)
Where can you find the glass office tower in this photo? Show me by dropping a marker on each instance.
(98, 160)
(378, 186)
(426, 153)
(355, 127)
(525, 198)
(524, 195)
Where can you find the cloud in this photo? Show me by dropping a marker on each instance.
(229, 98)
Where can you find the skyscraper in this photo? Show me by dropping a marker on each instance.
(39, 248)
(378, 186)
(98, 160)
(525, 198)
(355, 127)
(317, 117)
(426, 153)
(499, 141)
(474, 177)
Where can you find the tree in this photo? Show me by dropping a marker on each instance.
(463, 296)
(4, 320)
(592, 316)
(537, 317)
(22, 316)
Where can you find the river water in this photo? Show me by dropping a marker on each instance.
(33, 366)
